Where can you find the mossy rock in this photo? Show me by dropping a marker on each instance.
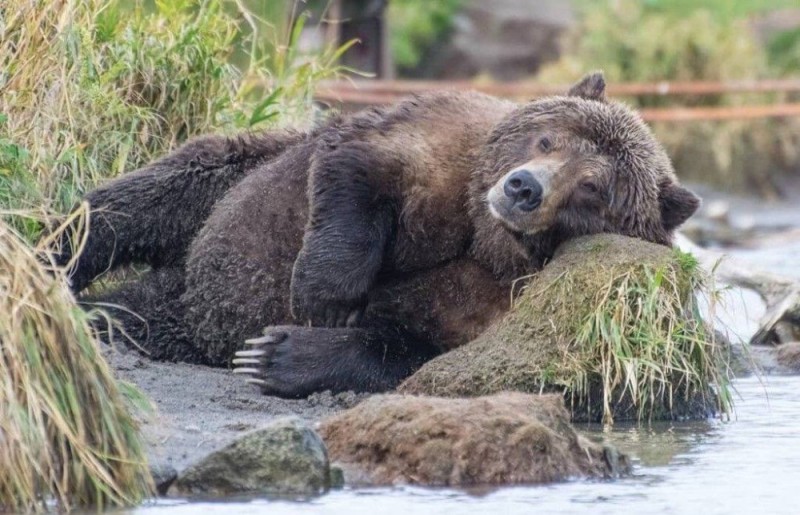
(286, 457)
(612, 323)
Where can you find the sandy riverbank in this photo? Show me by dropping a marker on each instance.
(200, 409)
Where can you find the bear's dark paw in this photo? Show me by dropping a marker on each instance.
(338, 313)
(296, 361)
(279, 365)
(329, 293)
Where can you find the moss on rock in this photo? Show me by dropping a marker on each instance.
(284, 457)
(613, 323)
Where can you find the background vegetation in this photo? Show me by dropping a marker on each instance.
(661, 40)
(91, 89)
(415, 25)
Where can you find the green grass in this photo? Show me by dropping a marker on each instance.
(646, 340)
(634, 333)
(89, 90)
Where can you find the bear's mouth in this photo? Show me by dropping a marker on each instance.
(501, 211)
(516, 200)
(512, 218)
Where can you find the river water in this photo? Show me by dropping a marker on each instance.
(749, 464)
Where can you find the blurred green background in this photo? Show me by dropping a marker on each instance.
(91, 89)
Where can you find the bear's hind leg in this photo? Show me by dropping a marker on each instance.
(149, 315)
(151, 215)
(295, 361)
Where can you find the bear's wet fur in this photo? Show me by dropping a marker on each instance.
(374, 242)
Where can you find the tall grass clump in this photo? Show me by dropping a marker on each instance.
(611, 322)
(91, 89)
(635, 41)
(67, 437)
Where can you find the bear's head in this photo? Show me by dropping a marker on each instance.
(573, 165)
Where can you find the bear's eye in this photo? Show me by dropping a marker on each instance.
(545, 145)
(589, 187)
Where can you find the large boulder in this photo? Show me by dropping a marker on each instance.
(508, 438)
(612, 323)
(285, 457)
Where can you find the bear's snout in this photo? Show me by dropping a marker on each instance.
(519, 199)
(524, 190)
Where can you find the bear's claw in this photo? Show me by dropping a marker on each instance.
(278, 366)
(267, 338)
(247, 370)
(254, 361)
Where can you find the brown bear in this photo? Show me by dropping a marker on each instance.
(374, 242)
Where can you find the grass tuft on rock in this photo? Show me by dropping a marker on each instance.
(613, 323)
(66, 433)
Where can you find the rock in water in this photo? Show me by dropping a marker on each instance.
(613, 323)
(285, 457)
(509, 438)
(788, 356)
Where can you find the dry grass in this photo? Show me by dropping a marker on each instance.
(66, 433)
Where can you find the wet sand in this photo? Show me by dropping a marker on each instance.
(200, 409)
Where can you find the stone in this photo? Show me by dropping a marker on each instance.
(606, 313)
(788, 357)
(508, 438)
(163, 475)
(284, 457)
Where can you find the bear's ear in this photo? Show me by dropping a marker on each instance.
(677, 204)
(591, 87)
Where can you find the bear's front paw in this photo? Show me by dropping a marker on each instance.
(256, 361)
(284, 364)
(330, 289)
(313, 302)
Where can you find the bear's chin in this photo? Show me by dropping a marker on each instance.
(501, 214)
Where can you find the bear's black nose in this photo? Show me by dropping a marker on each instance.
(523, 188)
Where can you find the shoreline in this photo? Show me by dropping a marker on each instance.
(200, 409)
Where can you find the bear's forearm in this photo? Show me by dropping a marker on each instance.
(350, 225)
